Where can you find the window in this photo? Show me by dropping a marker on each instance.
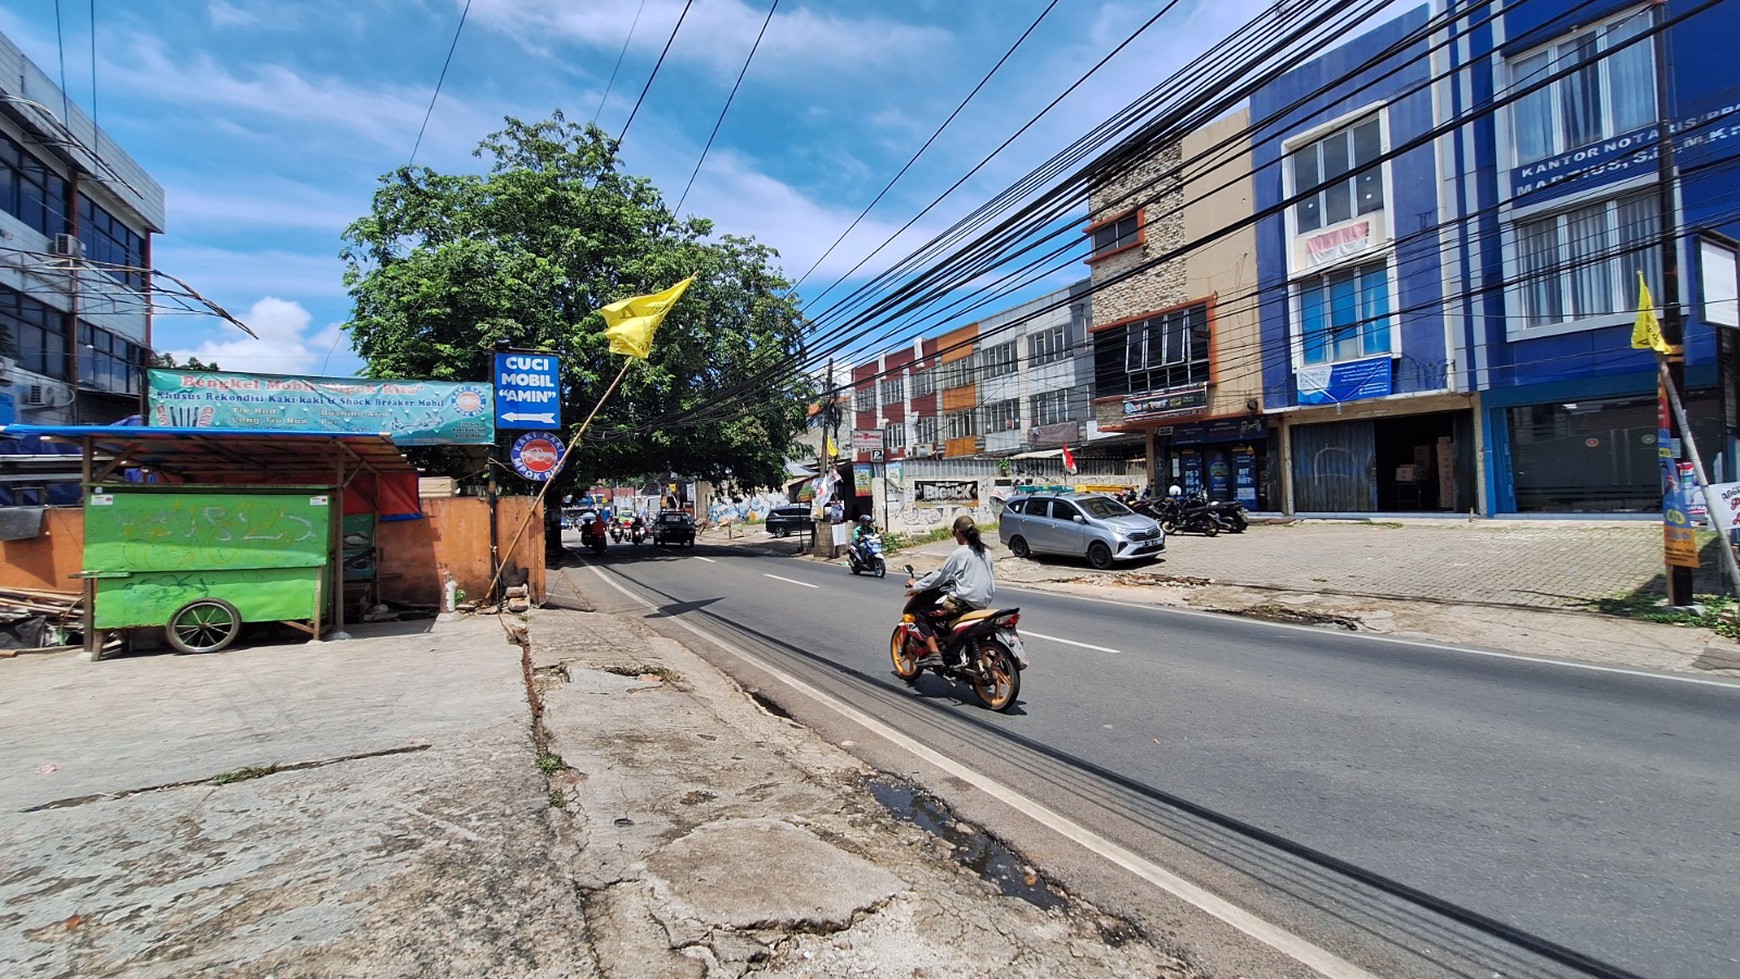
(961, 425)
(1063, 510)
(998, 361)
(37, 332)
(1581, 263)
(1050, 345)
(1003, 416)
(1166, 351)
(923, 383)
(892, 390)
(1339, 175)
(1597, 96)
(864, 397)
(106, 239)
(925, 430)
(108, 362)
(1345, 315)
(1118, 233)
(1051, 407)
(894, 437)
(957, 373)
(30, 191)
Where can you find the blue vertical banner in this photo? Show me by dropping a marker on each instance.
(528, 391)
(1244, 461)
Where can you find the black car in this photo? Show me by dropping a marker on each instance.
(674, 527)
(785, 520)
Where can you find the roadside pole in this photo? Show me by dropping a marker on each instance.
(1711, 503)
(1672, 362)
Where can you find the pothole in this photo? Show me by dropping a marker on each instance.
(640, 670)
(972, 847)
(1282, 613)
(769, 704)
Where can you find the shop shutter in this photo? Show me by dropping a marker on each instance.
(1334, 468)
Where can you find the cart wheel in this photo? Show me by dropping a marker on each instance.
(205, 626)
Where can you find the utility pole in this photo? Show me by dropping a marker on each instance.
(1679, 577)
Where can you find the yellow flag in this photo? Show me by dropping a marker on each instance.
(1646, 335)
(833, 450)
(630, 322)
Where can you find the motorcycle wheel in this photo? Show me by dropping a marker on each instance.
(996, 677)
(1210, 528)
(852, 565)
(1239, 523)
(1170, 526)
(905, 658)
(881, 567)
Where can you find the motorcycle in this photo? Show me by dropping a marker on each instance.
(1229, 515)
(592, 534)
(994, 656)
(638, 531)
(616, 531)
(1190, 514)
(866, 555)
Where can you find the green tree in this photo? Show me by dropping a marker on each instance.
(447, 264)
(167, 361)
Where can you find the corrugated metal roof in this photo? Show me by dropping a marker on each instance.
(198, 454)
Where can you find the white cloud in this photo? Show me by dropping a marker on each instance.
(284, 347)
(719, 34)
(228, 15)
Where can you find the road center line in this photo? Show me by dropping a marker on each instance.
(789, 581)
(1067, 642)
(1272, 935)
(706, 559)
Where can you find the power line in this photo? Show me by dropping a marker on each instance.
(655, 72)
(438, 82)
(619, 56)
(728, 99)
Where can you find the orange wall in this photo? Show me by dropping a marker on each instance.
(45, 562)
(453, 536)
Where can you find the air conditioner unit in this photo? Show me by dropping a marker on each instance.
(921, 450)
(37, 395)
(68, 245)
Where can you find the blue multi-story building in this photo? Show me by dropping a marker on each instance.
(1554, 204)
(1359, 365)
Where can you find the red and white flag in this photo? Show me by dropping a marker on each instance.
(1068, 460)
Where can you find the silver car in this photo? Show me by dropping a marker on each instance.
(1088, 525)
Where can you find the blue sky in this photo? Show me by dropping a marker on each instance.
(268, 122)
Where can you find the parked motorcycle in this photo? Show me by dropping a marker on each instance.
(994, 653)
(865, 555)
(1229, 515)
(1187, 514)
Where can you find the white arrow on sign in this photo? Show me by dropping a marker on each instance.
(547, 418)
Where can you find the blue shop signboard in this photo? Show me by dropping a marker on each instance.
(528, 391)
(412, 412)
(1612, 160)
(1352, 380)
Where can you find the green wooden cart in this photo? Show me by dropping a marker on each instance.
(198, 562)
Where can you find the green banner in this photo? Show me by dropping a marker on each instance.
(146, 530)
(412, 412)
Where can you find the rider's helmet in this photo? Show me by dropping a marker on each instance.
(866, 519)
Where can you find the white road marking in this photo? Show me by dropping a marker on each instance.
(1300, 949)
(706, 559)
(1376, 637)
(1067, 642)
(789, 581)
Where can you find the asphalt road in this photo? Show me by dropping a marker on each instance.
(1420, 807)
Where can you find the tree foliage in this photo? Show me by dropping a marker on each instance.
(444, 265)
(167, 361)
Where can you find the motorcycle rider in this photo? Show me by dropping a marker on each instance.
(966, 581)
(865, 527)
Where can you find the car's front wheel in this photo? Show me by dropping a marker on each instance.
(1099, 555)
(781, 531)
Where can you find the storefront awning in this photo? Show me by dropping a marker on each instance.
(221, 455)
(1039, 454)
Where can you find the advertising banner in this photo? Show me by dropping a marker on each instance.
(1184, 401)
(1352, 380)
(862, 476)
(537, 455)
(867, 439)
(945, 492)
(412, 412)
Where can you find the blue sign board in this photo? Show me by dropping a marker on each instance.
(528, 391)
(1352, 380)
(537, 455)
(412, 412)
(8, 408)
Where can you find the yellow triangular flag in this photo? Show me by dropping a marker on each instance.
(1646, 335)
(833, 450)
(630, 322)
